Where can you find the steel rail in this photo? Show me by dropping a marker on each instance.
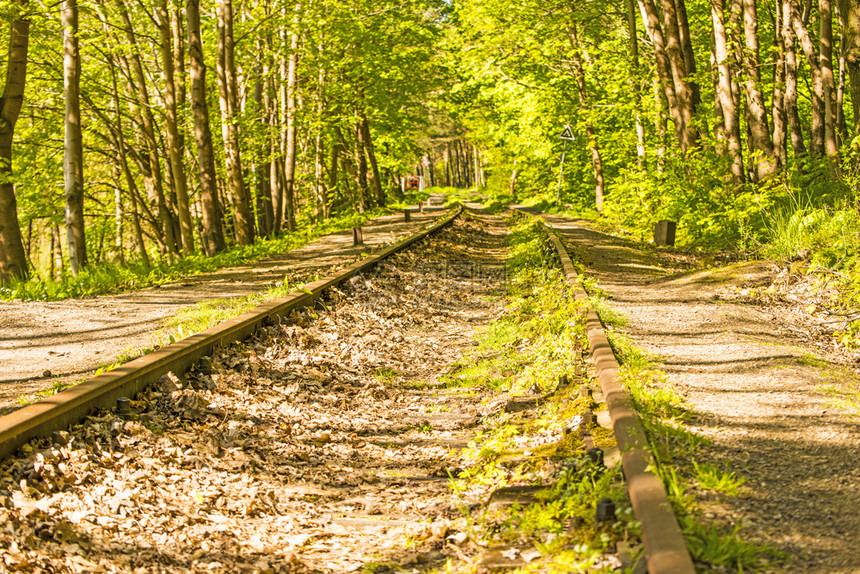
(665, 549)
(73, 404)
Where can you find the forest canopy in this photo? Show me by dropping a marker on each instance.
(146, 132)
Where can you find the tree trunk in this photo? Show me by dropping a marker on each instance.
(635, 76)
(689, 54)
(794, 125)
(13, 260)
(138, 233)
(290, 142)
(818, 104)
(228, 98)
(584, 102)
(175, 144)
(447, 164)
(841, 125)
(213, 234)
(778, 106)
(374, 168)
(73, 156)
(731, 115)
(263, 167)
(149, 161)
(849, 11)
(660, 122)
(761, 144)
(332, 178)
(651, 17)
(360, 168)
(683, 80)
(119, 217)
(828, 85)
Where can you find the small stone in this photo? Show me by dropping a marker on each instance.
(605, 510)
(46, 373)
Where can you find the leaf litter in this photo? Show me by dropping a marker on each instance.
(322, 444)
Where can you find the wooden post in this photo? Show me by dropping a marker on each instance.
(406, 216)
(357, 236)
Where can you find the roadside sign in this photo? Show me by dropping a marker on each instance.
(567, 133)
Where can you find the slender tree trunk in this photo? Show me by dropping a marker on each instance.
(761, 144)
(290, 143)
(275, 163)
(213, 234)
(689, 54)
(447, 164)
(56, 253)
(818, 105)
(841, 124)
(319, 174)
(171, 120)
(73, 157)
(13, 260)
(719, 114)
(794, 125)
(332, 179)
(263, 167)
(828, 84)
(636, 79)
(683, 83)
(849, 11)
(360, 167)
(371, 157)
(731, 115)
(660, 124)
(585, 102)
(149, 161)
(119, 217)
(228, 91)
(778, 106)
(138, 233)
(651, 17)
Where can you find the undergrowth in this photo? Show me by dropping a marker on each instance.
(524, 352)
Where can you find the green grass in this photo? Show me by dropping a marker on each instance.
(712, 478)
(526, 350)
(115, 278)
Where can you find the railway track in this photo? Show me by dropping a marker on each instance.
(321, 433)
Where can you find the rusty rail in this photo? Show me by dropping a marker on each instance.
(665, 549)
(73, 404)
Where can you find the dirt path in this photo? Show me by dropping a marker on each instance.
(72, 338)
(755, 394)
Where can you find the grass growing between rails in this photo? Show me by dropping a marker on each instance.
(113, 277)
(524, 352)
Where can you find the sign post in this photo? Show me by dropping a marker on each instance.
(566, 135)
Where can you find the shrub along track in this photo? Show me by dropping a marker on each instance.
(349, 437)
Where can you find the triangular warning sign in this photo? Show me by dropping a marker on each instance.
(567, 133)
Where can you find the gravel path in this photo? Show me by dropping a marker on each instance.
(74, 337)
(755, 393)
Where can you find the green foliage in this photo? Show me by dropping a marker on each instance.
(526, 349)
(710, 477)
